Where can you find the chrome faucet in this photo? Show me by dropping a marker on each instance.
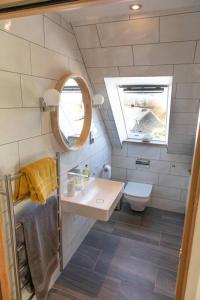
(76, 174)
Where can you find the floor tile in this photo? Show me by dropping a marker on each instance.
(170, 241)
(157, 255)
(104, 226)
(102, 240)
(126, 268)
(166, 283)
(138, 291)
(173, 217)
(149, 211)
(132, 257)
(161, 226)
(59, 294)
(90, 285)
(138, 233)
(123, 217)
(85, 256)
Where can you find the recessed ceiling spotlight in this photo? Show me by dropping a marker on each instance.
(135, 6)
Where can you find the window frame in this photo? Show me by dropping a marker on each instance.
(112, 84)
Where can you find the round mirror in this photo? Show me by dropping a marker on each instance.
(71, 121)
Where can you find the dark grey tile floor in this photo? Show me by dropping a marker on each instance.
(134, 256)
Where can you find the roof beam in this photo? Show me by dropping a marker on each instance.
(19, 8)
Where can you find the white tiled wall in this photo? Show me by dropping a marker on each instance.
(168, 173)
(141, 31)
(34, 53)
(150, 46)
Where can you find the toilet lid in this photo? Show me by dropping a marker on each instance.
(138, 189)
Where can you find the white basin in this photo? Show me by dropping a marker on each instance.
(97, 200)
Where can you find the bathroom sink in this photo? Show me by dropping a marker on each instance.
(97, 200)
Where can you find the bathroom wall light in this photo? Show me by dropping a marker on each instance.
(50, 100)
(98, 100)
(135, 6)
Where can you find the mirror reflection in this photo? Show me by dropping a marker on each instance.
(71, 112)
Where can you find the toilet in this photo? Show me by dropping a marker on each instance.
(137, 195)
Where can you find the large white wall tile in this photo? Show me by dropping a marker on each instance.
(181, 138)
(55, 17)
(178, 148)
(181, 27)
(158, 166)
(173, 157)
(184, 118)
(66, 24)
(33, 88)
(121, 151)
(165, 204)
(47, 64)
(180, 169)
(87, 36)
(142, 176)
(46, 123)
(185, 105)
(36, 148)
(123, 162)
(187, 73)
(14, 54)
(18, 124)
(130, 32)
(119, 173)
(165, 53)
(197, 54)
(97, 75)
(10, 90)
(100, 88)
(173, 181)
(108, 57)
(105, 116)
(79, 68)
(163, 70)
(60, 40)
(166, 193)
(95, 20)
(183, 129)
(9, 158)
(145, 151)
(29, 28)
(187, 90)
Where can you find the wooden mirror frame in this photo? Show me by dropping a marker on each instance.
(87, 101)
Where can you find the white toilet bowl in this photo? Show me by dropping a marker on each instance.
(137, 195)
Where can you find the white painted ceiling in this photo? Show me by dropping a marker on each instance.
(120, 8)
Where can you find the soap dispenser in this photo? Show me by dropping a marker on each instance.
(86, 171)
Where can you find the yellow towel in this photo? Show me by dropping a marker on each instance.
(38, 182)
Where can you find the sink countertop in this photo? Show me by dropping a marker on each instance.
(97, 200)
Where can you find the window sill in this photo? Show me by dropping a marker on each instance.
(146, 143)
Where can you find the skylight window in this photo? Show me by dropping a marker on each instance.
(141, 107)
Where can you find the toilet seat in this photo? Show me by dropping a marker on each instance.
(137, 195)
(139, 190)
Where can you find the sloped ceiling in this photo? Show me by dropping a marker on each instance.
(114, 9)
(151, 46)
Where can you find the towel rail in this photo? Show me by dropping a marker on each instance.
(8, 193)
(59, 212)
(11, 213)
